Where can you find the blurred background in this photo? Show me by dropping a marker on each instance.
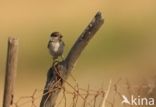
(124, 47)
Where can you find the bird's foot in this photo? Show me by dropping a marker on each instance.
(62, 57)
(55, 62)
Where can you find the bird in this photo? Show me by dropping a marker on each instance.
(56, 45)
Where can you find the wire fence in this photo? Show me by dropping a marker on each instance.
(75, 96)
(70, 96)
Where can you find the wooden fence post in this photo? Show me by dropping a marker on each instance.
(57, 74)
(10, 74)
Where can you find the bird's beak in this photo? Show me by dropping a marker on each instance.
(61, 36)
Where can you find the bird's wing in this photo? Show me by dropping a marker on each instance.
(48, 44)
(62, 42)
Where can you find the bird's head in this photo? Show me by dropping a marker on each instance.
(55, 36)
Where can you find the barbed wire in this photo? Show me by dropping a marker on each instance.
(75, 96)
(88, 96)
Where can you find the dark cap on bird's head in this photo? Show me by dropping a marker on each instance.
(56, 34)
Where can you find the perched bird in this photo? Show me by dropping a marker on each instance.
(56, 45)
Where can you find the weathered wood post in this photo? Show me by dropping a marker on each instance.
(11, 65)
(60, 72)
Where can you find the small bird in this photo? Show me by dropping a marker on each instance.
(56, 45)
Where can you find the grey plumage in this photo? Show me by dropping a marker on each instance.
(56, 45)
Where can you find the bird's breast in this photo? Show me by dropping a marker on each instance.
(55, 46)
